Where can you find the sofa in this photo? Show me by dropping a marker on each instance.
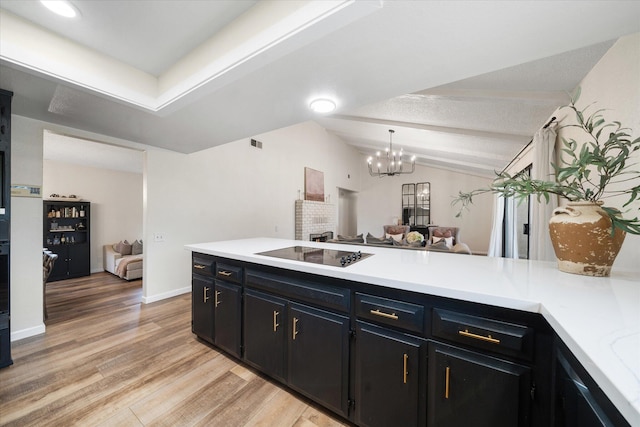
(439, 239)
(124, 259)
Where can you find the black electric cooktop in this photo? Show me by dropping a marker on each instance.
(317, 255)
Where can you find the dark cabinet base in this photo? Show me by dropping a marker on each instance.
(5, 341)
(382, 357)
(390, 367)
(465, 385)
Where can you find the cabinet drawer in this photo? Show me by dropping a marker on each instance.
(484, 333)
(230, 273)
(318, 294)
(399, 314)
(202, 264)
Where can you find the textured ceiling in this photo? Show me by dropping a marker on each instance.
(464, 87)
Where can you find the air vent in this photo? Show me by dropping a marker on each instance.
(256, 144)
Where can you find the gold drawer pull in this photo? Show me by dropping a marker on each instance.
(205, 297)
(377, 312)
(216, 300)
(446, 382)
(404, 369)
(295, 328)
(199, 266)
(488, 338)
(225, 273)
(275, 320)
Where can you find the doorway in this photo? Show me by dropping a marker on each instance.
(516, 225)
(347, 212)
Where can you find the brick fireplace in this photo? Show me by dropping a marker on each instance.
(314, 218)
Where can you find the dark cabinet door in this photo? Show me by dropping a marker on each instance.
(202, 310)
(467, 388)
(264, 333)
(79, 262)
(319, 356)
(61, 265)
(227, 300)
(389, 377)
(575, 404)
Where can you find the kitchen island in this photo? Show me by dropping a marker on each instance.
(598, 319)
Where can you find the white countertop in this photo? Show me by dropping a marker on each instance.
(598, 318)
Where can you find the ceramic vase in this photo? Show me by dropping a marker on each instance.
(582, 239)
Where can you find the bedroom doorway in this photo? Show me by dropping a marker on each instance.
(347, 212)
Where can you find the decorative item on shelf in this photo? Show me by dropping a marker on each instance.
(69, 198)
(586, 235)
(394, 165)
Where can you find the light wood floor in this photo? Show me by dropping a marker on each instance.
(108, 360)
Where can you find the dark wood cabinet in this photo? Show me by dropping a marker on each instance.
(264, 332)
(390, 378)
(202, 310)
(469, 388)
(579, 402)
(5, 228)
(67, 233)
(227, 303)
(216, 305)
(318, 357)
(381, 357)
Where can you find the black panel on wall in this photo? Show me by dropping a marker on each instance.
(5, 215)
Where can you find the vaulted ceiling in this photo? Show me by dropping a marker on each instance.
(464, 84)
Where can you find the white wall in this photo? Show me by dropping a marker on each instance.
(115, 196)
(614, 84)
(233, 191)
(26, 230)
(381, 200)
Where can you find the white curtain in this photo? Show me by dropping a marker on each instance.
(495, 244)
(540, 246)
(511, 228)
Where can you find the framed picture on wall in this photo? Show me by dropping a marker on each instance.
(313, 185)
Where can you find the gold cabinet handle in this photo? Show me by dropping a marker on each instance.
(447, 373)
(205, 297)
(275, 320)
(199, 266)
(225, 273)
(488, 338)
(216, 301)
(295, 328)
(404, 368)
(377, 312)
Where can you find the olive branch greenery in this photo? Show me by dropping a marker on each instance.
(586, 173)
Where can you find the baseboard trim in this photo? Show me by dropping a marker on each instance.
(170, 294)
(29, 332)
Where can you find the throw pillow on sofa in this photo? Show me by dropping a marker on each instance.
(136, 247)
(123, 248)
(351, 239)
(373, 240)
(396, 237)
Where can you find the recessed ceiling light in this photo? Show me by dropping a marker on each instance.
(61, 7)
(322, 105)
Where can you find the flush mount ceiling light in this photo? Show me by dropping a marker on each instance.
(393, 166)
(61, 7)
(322, 105)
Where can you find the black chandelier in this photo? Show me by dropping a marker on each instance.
(394, 164)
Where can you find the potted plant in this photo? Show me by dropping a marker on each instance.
(591, 170)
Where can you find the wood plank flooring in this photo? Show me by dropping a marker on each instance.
(108, 360)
